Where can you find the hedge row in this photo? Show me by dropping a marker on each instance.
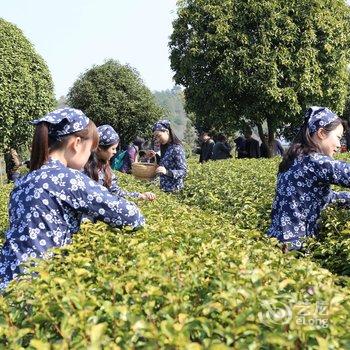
(243, 191)
(189, 280)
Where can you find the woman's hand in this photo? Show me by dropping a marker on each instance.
(161, 170)
(150, 153)
(148, 196)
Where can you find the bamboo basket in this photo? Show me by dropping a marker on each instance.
(144, 171)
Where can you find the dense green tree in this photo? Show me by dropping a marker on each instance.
(114, 94)
(62, 102)
(190, 135)
(260, 61)
(26, 89)
(173, 103)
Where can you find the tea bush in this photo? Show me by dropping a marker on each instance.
(243, 190)
(240, 189)
(191, 279)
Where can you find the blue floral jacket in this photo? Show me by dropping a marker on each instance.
(45, 210)
(115, 188)
(174, 161)
(301, 194)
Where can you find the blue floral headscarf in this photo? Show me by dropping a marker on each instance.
(64, 121)
(319, 117)
(108, 136)
(161, 125)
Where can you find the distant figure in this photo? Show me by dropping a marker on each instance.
(221, 149)
(131, 154)
(240, 146)
(12, 164)
(277, 149)
(252, 149)
(206, 150)
(172, 167)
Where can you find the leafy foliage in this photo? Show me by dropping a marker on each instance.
(191, 279)
(114, 94)
(241, 190)
(26, 89)
(173, 103)
(260, 61)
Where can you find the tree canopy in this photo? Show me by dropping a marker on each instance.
(260, 61)
(114, 94)
(26, 88)
(173, 103)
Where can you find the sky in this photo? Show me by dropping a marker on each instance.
(74, 35)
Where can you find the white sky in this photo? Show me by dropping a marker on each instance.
(73, 35)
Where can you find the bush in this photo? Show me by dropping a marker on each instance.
(115, 94)
(26, 88)
(190, 280)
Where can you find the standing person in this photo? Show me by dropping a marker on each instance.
(47, 204)
(206, 150)
(252, 149)
(132, 152)
(12, 164)
(277, 149)
(305, 176)
(172, 161)
(240, 146)
(221, 149)
(99, 169)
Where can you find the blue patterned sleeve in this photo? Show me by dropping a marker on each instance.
(335, 172)
(180, 166)
(96, 201)
(331, 171)
(119, 192)
(342, 198)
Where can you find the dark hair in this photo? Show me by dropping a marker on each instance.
(221, 138)
(139, 141)
(248, 131)
(95, 163)
(173, 140)
(43, 143)
(303, 144)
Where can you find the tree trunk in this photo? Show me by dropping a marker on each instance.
(267, 140)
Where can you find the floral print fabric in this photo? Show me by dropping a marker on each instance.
(174, 161)
(64, 121)
(301, 194)
(45, 210)
(115, 189)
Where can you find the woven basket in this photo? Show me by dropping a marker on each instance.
(144, 171)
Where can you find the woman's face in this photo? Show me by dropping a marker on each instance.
(105, 154)
(329, 143)
(161, 137)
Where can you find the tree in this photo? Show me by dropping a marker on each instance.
(260, 61)
(26, 88)
(173, 103)
(190, 135)
(62, 102)
(114, 94)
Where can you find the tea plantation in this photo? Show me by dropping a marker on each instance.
(200, 275)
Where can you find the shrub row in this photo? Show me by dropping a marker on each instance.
(189, 280)
(243, 191)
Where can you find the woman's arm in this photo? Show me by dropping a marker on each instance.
(119, 192)
(180, 166)
(93, 199)
(331, 171)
